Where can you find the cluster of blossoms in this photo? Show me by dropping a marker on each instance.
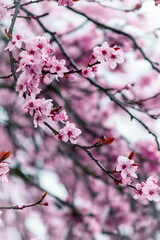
(157, 2)
(3, 9)
(66, 2)
(127, 168)
(89, 71)
(4, 169)
(113, 55)
(110, 54)
(37, 62)
(148, 189)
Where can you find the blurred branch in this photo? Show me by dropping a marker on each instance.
(29, 180)
(39, 202)
(5, 77)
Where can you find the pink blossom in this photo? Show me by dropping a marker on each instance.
(148, 189)
(4, 5)
(157, 2)
(126, 181)
(102, 53)
(65, 3)
(152, 191)
(39, 120)
(126, 167)
(16, 42)
(3, 172)
(139, 191)
(38, 43)
(70, 77)
(28, 83)
(113, 55)
(69, 132)
(46, 79)
(43, 106)
(88, 72)
(22, 84)
(62, 117)
(116, 56)
(58, 67)
(40, 108)
(29, 106)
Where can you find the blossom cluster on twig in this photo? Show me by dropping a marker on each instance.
(37, 62)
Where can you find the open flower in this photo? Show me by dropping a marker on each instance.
(69, 132)
(116, 56)
(148, 189)
(4, 169)
(102, 53)
(65, 3)
(127, 167)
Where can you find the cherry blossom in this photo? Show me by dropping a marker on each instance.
(151, 191)
(41, 108)
(4, 5)
(62, 116)
(113, 55)
(116, 57)
(4, 169)
(127, 167)
(89, 71)
(39, 120)
(157, 2)
(65, 3)
(58, 67)
(69, 132)
(16, 41)
(102, 53)
(126, 181)
(139, 190)
(148, 189)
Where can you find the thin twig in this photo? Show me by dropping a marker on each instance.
(25, 206)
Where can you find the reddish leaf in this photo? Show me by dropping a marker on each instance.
(131, 155)
(136, 164)
(4, 155)
(138, 6)
(116, 48)
(105, 141)
(113, 44)
(108, 140)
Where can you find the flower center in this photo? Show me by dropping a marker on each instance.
(124, 166)
(104, 52)
(58, 68)
(113, 56)
(151, 192)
